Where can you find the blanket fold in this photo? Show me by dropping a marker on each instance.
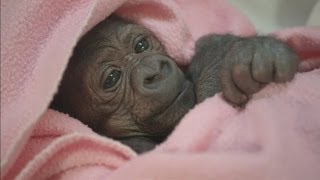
(275, 137)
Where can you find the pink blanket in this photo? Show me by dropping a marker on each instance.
(276, 137)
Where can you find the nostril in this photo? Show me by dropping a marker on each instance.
(152, 78)
(164, 67)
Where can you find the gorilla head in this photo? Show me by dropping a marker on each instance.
(122, 83)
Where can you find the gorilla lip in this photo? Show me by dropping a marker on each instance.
(169, 117)
(183, 91)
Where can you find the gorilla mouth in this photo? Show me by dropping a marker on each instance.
(176, 98)
(184, 89)
(173, 113)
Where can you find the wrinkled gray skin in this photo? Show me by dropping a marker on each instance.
(122, 84)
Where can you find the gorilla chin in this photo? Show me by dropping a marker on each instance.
(162, 123)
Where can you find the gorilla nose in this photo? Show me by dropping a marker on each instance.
(154, 72)
(151, 72)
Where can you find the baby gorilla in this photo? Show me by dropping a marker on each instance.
(122, 84)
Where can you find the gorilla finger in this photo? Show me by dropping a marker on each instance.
(286, 66)
(242, 57)
(230, 92)
(262, 67)
(243, 79)
(234, 96)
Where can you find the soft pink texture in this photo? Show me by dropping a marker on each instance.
(275, 137)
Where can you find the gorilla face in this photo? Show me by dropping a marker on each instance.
(121, 83)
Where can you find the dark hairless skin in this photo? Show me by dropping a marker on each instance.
(122, 83)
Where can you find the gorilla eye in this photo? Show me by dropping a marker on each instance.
(141, 46)
(112, 79)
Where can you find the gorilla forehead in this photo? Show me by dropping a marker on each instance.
(110, 39)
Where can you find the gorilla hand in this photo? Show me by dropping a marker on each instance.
(239, 66)
(253, 62)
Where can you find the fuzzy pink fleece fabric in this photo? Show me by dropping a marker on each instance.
(277, 136)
